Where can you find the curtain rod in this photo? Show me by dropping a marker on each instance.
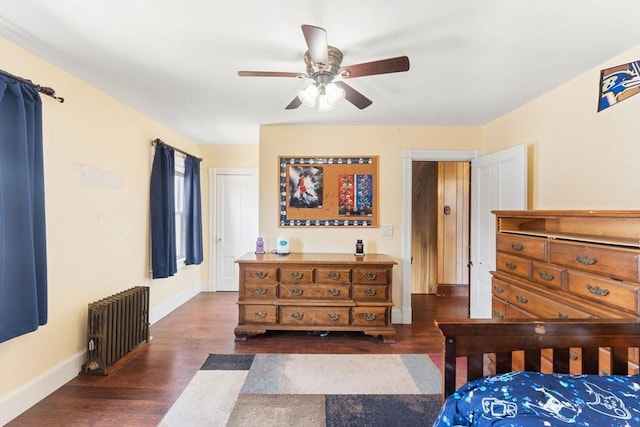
(159, 141)
(42, 89)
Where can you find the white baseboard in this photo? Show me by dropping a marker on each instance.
(22, 398)
(170, 305)
(25, 396)
(401, 316)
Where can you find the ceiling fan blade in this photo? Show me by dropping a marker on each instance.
(294, 104)
(353, 96)
(383, 66)
(316, 39)
(268, 74)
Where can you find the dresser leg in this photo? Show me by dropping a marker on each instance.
(243, 333)
(388, 335)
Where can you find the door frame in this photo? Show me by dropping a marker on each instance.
(213, 247)
(404, 315)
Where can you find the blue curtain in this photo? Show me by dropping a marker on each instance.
(163, 213)
(23, 256)
(192, 211)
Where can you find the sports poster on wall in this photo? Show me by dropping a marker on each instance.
(618, 83)
(328, 191)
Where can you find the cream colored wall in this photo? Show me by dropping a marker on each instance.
(387, 142)
(580, 158)
(97, 171)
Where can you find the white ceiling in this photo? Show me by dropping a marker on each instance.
(177, 60)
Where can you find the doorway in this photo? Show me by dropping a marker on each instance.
(499, 181)
(440, 226)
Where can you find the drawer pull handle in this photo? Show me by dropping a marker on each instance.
(517, 247)
(498, 289)
(260, 314)
(586, 260)
(369, 292)
(510, 265)
(260, 274)
(333, 292)
(573, 356)
(597, 290)
(260, 291)
(369, 316)
(562, 315)
(334, 275)
(333, 316)
(498, 314)
(296, 292)
(546, 276)
(522, 299)
(371, 276)
(296, 275)
(297, 315)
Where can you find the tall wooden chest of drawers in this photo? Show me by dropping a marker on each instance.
(315, 292)
(567, 264)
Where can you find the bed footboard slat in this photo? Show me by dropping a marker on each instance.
(619, 360)
(532, 360)
(561, 360)
(590, 357)
(475, 366)
(504, 362)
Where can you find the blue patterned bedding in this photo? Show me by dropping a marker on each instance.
(525, 399)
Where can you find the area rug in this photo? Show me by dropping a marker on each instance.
(310, 390)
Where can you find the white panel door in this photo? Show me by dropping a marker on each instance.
(498, 181)
(236, 224)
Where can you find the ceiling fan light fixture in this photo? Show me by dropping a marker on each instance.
(324, 104)
(308, 95)
(335, 94)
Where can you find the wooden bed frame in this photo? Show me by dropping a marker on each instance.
(479, 340)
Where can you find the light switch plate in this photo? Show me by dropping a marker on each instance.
(387, 230)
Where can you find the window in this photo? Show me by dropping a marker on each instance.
(179, 206)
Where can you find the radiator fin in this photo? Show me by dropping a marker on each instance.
(116, 325)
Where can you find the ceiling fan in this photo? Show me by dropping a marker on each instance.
(324, 69)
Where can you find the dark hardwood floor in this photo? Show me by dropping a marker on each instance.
(142, 390)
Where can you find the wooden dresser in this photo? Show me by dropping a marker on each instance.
(315, 292)
(567, 264)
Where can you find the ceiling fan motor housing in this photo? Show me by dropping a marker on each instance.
(328, 71)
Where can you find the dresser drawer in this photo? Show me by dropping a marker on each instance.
(314, 316)
(260, 290)
(259, 274)
(530, 247)
(543, 307)
(255, 313)
(370, 292)
(500, 289)
(547, 274)
(517, 313)
(333, 275)
(606, 291)
(369, 316)
(314, 291)
(297, 275)
(498, 308)
(512, 265)
(372, 275)
(616, 263)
